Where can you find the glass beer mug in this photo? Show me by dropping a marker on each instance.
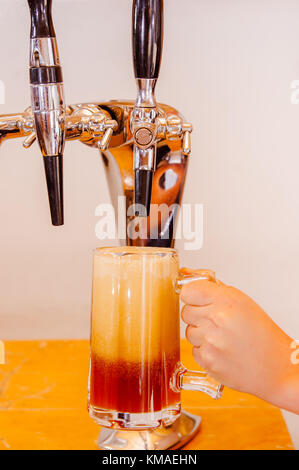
(135, 373)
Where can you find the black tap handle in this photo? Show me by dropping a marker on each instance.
(54, 177)
(41, 19)
(147, 37)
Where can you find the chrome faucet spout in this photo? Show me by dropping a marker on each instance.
(47, 101)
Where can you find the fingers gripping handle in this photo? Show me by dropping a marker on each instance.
(190, 275)
(183, 378)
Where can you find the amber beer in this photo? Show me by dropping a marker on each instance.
(134, 337)
(135, 369)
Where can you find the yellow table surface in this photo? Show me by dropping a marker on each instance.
(43, 389)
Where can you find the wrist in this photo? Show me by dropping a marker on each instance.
(285, 393)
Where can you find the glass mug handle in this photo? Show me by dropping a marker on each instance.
(185, 379)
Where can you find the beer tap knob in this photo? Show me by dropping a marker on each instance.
(27, 125)
(101, 127)
(29, 140)
(47, 102)
(147, 50)
(105, 141)
(187, 143)
(187, 129)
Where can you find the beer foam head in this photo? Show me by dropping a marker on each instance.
(121, 262)
(134, 250)
(134, 304)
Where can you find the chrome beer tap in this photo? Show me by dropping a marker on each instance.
(148, 122)
(147, 40)
(144, 144)
(47, 102)
(107, 127)
(47, 120)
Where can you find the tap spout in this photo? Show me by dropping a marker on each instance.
(54, 177)
(47, 101)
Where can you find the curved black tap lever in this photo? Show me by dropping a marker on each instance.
(147, 42)
(41, 19)
(47, 101)
(147, 37)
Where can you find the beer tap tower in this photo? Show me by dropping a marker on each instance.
(144, 146)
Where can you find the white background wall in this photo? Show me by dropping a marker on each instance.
(228, 66)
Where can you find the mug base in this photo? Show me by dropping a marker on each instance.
(171, 437)
(135, 421)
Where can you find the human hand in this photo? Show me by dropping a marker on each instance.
(237, 343)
